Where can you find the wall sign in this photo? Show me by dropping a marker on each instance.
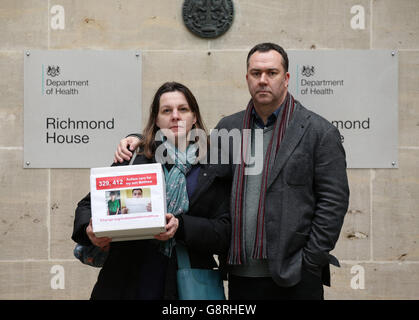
(78, 104)
(357, 90)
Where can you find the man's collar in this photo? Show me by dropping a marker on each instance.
(271, 119)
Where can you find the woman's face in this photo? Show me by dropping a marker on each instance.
(175, 114)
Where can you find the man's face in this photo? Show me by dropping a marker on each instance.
(137, 194)
(267, 79)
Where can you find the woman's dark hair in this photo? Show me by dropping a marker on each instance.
(147, 145)
(268, 46)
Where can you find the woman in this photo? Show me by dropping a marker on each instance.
(198, 202)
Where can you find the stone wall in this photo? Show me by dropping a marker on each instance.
(378, 246)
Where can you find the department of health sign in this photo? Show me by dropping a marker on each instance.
(77, 106)
(356, 90)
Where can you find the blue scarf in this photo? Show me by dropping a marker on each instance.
(176, 193)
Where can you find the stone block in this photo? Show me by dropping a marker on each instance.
(341, 288)
(314, 24)
(217, 79)
(395, 24)
(11, 83)
(11, 126)
(23, 213)
(124, 24)
(68, 187)
(408, 98)
(46, 280)
(382, 281)
(395, 232)
(354, 240)
(11, 99)
(23, 24)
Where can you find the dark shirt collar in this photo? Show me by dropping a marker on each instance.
(271, 119)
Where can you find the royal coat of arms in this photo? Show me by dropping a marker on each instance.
(208, 18)
(307, 71)
(53, 71)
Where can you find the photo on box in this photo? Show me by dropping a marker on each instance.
(113, 202)
(136, 200)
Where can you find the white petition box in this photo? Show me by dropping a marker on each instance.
(128, 202)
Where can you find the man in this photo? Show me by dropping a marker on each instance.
(137, 193)
(113, 204)
(286, 219)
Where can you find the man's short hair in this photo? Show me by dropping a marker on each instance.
(137, 189)
(268, 46)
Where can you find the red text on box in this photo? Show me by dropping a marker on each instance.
(135, 180)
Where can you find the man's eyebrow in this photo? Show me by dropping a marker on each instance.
(260, 69)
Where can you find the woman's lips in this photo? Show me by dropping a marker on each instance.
(177, 129)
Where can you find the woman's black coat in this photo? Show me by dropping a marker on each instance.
(137, 270)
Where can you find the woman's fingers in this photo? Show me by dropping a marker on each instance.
(98, 242)
(103, 242)
(171, 228)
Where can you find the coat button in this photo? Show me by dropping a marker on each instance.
(205, 174)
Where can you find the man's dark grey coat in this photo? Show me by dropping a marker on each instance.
(307, 196)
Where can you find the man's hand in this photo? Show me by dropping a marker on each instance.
(122, 152)
(102, 242)
(171, 227)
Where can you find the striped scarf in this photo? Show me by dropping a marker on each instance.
(237, 253)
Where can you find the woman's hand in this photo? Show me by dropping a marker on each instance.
(171, 227)
(102, 242)
(122, 153)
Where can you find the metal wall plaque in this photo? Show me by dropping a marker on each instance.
(357, 90)
(77, 106)
(208, 18)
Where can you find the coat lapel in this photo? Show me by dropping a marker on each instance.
(205, 179)
(293, 135)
